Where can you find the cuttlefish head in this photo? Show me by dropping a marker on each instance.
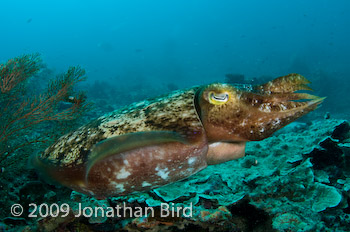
(232, 114)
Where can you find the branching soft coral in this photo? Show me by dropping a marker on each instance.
(20, 113)
(16, 71)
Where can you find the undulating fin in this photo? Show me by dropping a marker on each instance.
(127, 142)
(285, 84)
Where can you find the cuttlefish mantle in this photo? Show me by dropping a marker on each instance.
(162, 140)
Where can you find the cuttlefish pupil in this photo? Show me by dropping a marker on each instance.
(159, 141)
(218, 98)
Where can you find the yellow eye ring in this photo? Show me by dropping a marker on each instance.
(218, 98)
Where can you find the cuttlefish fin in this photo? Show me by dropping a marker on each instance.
(44, 166)
(122, 143)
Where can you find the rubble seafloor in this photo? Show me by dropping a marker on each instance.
(296, 180)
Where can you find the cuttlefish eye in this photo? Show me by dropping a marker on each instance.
(218, 98)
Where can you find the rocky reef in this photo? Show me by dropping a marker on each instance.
(296, 180)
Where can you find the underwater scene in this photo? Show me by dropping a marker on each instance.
(175, 115)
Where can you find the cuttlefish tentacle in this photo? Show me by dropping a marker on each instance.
(158, 141)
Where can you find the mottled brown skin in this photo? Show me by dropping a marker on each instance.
(65, 162)
(253, 116)
(206, 125)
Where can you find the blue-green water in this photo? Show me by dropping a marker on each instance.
(134, 50)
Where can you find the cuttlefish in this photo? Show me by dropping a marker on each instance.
(162, 140)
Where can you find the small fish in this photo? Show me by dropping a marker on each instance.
(162, 140)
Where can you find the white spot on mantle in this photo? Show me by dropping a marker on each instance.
(191, 160)
(145, 184)
(122, 174)
(163, 173)
(119, 187)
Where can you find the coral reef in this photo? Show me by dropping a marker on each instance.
(280, 185)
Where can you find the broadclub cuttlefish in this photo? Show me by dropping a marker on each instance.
(162, 140)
